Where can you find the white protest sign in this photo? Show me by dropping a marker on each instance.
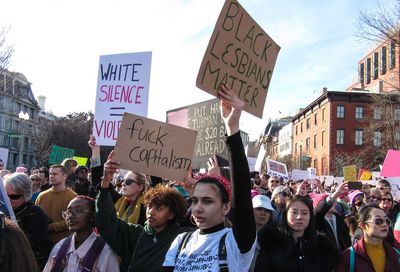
(312, 173)
(275, 168)
(4, 156)
(5, 205)
(298, 174)
(122, 86)
(395, 187)
(260, 159)
(327, 179)
(252, 162)
(338, 180)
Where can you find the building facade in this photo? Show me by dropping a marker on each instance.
(18, 133)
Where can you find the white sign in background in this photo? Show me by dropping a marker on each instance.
(4, 156)
(122, 86)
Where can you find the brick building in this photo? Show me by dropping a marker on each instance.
(378, 70)
(335, 130)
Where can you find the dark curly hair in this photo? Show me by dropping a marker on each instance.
(161, 195)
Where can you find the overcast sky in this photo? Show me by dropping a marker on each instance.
(58, 44)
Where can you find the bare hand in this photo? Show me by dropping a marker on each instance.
(231, 108)
(95, 148)
(213, 167)
(110, 168)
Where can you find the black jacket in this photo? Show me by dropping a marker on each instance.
(323, 227)
(279, 252)
(33, 221)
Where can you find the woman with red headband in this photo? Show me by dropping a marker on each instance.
(213, 247)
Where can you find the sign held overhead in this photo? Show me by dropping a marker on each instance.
(241, 55)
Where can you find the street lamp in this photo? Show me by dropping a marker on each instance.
(23, 117)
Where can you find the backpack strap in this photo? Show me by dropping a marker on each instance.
(185, 240)
(352, 259)
(87, 263)
(60, 260)
(222, 255)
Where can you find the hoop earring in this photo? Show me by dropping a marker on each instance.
(192, 220)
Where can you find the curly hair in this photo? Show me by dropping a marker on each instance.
(161, 195)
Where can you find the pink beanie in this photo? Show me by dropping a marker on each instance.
(317, 198)
(353, 195)
(20, 169)
(254, 193)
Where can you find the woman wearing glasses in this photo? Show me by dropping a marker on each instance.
(372, 252)
(130, 206)
(84, 250)
(31, 218)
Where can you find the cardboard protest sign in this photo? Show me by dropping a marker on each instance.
(298, 174)
(391, 165)
(154, 148)
(5, 205)
(350, 173)
(4, 156)
(275, 168)
(205, 118)
(122, 86)
(81, 160)
(241, 55)
(59, 153)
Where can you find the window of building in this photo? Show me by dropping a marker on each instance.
(308, 144)
(315, 163)
(323, 165)
(359, 137)
(322, 138)
(359, 112)
(315, 141)
(296, 129)
(397, 114)
(361, 73)
(295, 148)
(376, 65)
(383, 60)
(359, 163)
(315, 119)
(377, 138)
(377, 114)
(301, 127)
(300, 149)
(368, 71)
(397, 136)
(308, 123)
(340, 136)
(340, 111)
(323, 114)
(392, 56)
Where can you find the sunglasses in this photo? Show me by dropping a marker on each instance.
(130, 181)
(35, 179)
(374, 198)
(387, 199)
(275, 181)
(358, 204)
(384, 188)
(380, 221)
(15, 197)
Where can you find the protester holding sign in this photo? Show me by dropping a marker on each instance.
(141, 248)
(372, 252)
(214, 247)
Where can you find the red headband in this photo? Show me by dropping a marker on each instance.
(222, 180)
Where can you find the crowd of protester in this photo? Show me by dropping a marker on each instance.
(103, 218)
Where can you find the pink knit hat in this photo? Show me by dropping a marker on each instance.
(21, 169)
(317, 198)
(353, 195)
(254, 193)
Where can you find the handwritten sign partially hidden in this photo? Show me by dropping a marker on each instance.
(205, 118)
(275, 168)
(391, 165)
(59, 153)
(241, 55)
(350, 173)
(154, 148)
(122, 86)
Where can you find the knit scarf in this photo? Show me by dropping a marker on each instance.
(123, 211)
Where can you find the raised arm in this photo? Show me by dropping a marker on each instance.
(244, 228)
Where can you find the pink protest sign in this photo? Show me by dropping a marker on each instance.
(391, 165)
